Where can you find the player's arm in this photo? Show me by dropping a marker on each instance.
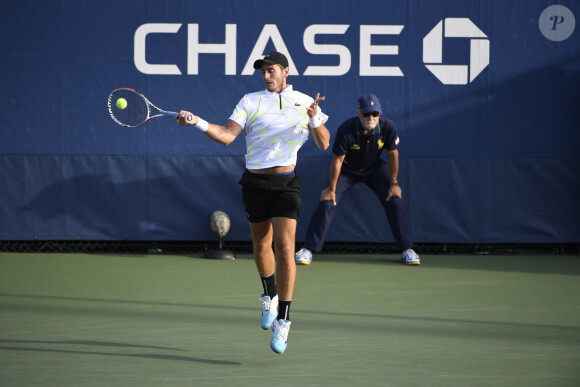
(222, 134)
(321, 136)
(320, 133)
(394, 189)
(329, 193)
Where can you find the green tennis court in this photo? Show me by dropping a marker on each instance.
(357, 320)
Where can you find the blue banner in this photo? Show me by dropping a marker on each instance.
(484, 96)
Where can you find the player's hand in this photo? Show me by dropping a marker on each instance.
(312, 110)
(394, 190)
(186, 118)
(328, 195)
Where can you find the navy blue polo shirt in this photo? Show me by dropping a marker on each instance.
(363, 152)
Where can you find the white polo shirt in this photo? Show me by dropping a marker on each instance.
(276, 126)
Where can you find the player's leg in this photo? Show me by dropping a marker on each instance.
(257, 197)
(284, 211)
(262, 236)
(284, 244)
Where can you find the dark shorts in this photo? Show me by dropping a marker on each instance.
(269, 196)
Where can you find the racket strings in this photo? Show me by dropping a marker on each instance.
(135, 113)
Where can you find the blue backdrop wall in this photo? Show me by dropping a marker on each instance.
(485, 95)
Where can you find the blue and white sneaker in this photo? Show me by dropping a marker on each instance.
(303, 256)
(280, 339)
(410, 257)
(269, 311)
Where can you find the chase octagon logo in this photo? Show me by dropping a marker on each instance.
(433, 51)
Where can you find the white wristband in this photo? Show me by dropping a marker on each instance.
(315, 121)
(202, 124)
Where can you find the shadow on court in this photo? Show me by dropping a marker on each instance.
(439, 326)
(135, 355)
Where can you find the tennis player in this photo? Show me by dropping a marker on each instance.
(277, 122)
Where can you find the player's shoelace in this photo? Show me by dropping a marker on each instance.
(267, 301)
(282, 331)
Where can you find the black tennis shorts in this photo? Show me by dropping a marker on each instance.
(269, 196)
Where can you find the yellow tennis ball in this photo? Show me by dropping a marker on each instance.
(121, 103)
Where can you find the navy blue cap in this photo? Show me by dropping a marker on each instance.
(369, 103)
(272, 58)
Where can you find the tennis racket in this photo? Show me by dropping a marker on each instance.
(138, 110)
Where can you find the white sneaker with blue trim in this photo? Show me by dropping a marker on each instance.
(280, 339)
(410, 257)
(269, 311)
(303, 256)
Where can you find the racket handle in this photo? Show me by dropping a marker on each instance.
(174, 114)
